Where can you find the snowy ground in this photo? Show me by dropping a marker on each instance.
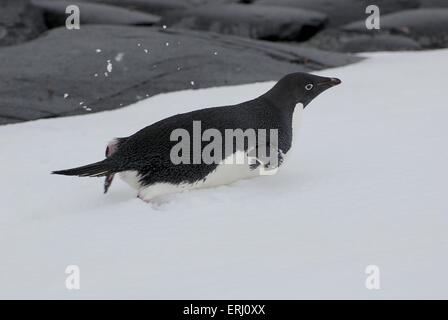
(367, 185)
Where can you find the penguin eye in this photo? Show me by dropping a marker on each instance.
(309, 86)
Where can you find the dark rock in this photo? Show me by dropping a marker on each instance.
(35, 79)
(158, 7)
(161, 7)
(382, 42)
(341, 12)
(19, 22)
(92, 13)
(433, 3)
(346, 41)
(429, 27)
(310, 58)
(5, 120)
(259, 22)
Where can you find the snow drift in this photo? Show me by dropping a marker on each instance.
(366, 185)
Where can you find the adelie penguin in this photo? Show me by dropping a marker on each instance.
(145, 159)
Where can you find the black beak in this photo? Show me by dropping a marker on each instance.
(331, 82)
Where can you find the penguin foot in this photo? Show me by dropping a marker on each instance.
(108, 182)
(143, 199)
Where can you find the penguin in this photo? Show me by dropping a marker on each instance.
(145, 159)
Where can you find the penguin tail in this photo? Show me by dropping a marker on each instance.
(97, 169)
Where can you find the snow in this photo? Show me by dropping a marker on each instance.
(119, 56)
(109, 66)
(366, 185)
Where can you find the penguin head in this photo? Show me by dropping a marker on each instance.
(301, 88)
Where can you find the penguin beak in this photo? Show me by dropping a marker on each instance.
(331, 82)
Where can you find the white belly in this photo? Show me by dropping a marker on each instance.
(225, 173)
(131, 178)
(296, 123)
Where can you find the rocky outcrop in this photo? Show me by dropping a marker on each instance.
(344, 41)
(406, 30)
(106, 67)
(433, 4)
(19, 22)
(428, 27)
(158, 7)
(341, 12)
(92, 13)
(258, 22)
(207, 43)
(382, 42)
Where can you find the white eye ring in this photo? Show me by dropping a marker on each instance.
(309, 86)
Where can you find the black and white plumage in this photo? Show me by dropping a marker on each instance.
(143, 159)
